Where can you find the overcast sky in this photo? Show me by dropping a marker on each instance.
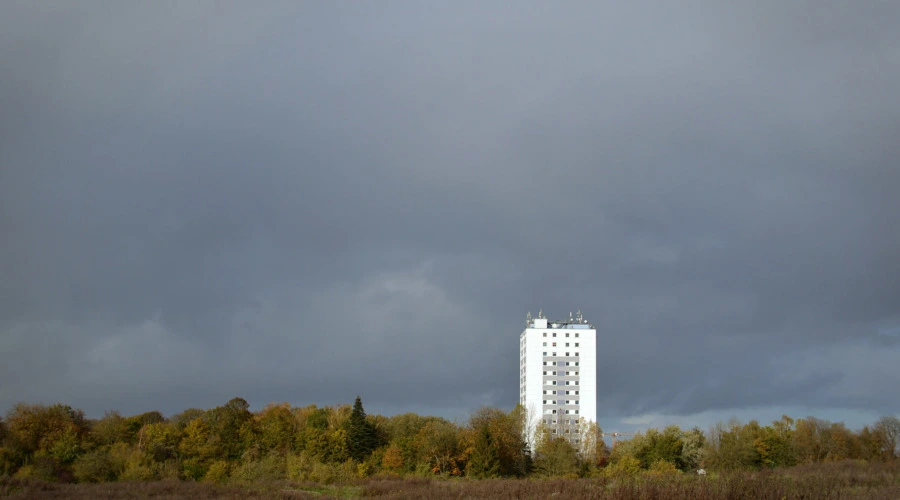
(306, 201)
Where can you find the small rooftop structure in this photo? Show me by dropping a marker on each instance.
(576, 323)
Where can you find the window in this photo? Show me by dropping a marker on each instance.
(545, 401)
(567, 344)
(554, 344)
(554, 353)
(553, 402)
(554, 412)
(576, 363)
(545, 344)
(568, 402)
(567, 374)
(553, 363)
(576, 344)
(545, 353)
(576, 393)
(545, 334)
(545, 391)
(576, 382)
(554, 373)
(576, 354)
(567, 382)
(553, 382)
(554, 334)
(576, 412)
(567, 412)
(576, 335)
(567, 354)
(545, 373)
(576, 401)
(545, 363)
(567, 334)
(576, 373)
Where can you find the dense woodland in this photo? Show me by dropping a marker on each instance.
(231, 444)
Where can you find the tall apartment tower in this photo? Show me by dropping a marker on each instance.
(558, 373)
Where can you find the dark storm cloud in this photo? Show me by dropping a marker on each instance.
(307, 202)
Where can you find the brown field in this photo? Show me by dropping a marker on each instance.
(826, 481)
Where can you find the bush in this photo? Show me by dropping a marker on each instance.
(271, 467)
(137, 472)
(217, 473)
(663, 468)
(299, 467)
(94, 467)
(623, 467)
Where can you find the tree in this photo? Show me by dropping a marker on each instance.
(731, 447)
(112, 428)
(485, 459)
(808, 439)
(507, 436)
(392, 459)
(47, 438)
(438, 447)
(888, 430)
(664, 446)
(275, 428)
(225, 424)
(196, 450)
(360, 433)
(692, 449)
(556, 457)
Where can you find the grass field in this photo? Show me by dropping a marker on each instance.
(823, 481)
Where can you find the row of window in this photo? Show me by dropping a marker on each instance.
(567, 334)
(553, 382)
(568, 374)
(554, 363)
(568, 421)
(567, 354)
(560, 401)
(559, 393)
(553, 412)
(567, 344)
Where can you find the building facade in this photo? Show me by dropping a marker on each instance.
(558, 374)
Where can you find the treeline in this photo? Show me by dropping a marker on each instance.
(751, 446)
(231, 444)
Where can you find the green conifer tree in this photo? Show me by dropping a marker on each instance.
(360, 433)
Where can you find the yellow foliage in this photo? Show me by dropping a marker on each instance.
(624, 466)
(393, 458)
(217, 472)
(662, 468)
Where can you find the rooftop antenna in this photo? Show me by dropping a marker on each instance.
(541, 313)
(528, 318)
(570, 316)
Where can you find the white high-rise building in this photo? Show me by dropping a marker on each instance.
(558, 373)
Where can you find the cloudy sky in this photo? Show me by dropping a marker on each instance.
(306, 201)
